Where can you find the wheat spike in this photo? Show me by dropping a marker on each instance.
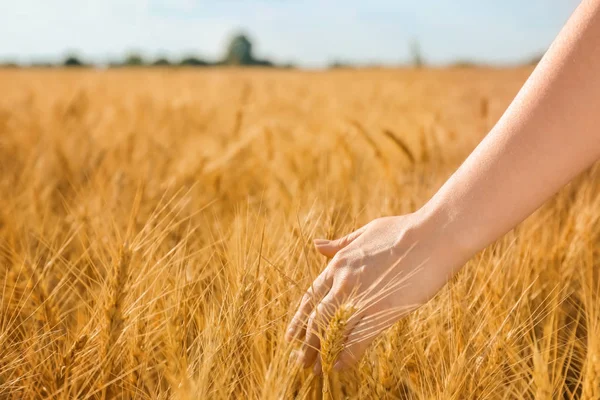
(401, 145)
(115, 319)
(332, 347)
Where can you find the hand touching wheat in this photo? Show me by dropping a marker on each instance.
(383, 271)
(547, 136)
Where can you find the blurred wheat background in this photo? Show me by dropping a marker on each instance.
(156, 230)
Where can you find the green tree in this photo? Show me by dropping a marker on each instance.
(239, 51)
(72, 61)
(192, 61)
(134, 60)
(161, 62)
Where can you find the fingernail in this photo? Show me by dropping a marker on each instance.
(289, 334)
(338, 366)
(300, 358)
(320, 242)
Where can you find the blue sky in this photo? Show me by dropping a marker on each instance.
(311, 33)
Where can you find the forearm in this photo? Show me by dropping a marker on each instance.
(547, 136)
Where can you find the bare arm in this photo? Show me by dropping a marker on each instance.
(548, 135)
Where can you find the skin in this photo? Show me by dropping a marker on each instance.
(548, 135)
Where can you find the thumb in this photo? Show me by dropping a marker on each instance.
(330, 247)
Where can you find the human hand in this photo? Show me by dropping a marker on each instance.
(383, 271)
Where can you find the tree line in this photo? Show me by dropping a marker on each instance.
(238, 52)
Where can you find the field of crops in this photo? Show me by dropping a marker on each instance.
(156, 233)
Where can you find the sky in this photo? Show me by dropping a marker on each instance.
(310, 33)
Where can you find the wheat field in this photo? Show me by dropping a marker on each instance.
(156, 233)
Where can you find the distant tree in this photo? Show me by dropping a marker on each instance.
(239, 51)
(133, 60)
(464, 64)
(72, 61)
(339, 64)
(192, 62)
(416, 55)
(8, 64)
(41, 64)
(161, 62)
(262, 63)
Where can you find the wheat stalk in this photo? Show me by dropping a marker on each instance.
(115, 319)
(331, 348)
(68, 362)
(401, 145)
(273, 158)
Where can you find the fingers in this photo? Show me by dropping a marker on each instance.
(360, 336)
(318, 369)
(315, 328)
(330, 247)
(319, 288)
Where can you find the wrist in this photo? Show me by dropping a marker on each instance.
(438, 221)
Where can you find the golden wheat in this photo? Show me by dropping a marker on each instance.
(156, 229)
